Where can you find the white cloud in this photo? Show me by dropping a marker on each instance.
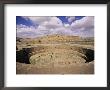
(84, 27)
(37, 20)
(66, 25)
(71, 18)
(24, 28)
(45, 21)
(83, 23)
(26, 31)
(53, 25)
(54, 22)
(41, 27)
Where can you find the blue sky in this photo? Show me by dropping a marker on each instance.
(20, 20)
(34, 26)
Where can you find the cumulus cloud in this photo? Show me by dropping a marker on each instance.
(70, 18)
(24, 28)
(83, 23)
(66, 25)
(84, 27)
(26, 31)
(37, 19)
(53, 25)
(54, 22)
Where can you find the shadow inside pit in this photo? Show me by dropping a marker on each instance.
(89, 55)
(22, 56)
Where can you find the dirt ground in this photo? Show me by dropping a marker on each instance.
(55, 55)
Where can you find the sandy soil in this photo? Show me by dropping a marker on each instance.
(55, 55)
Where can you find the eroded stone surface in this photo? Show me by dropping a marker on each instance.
(55, 55)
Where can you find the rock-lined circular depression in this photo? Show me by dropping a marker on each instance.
(55, 55)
